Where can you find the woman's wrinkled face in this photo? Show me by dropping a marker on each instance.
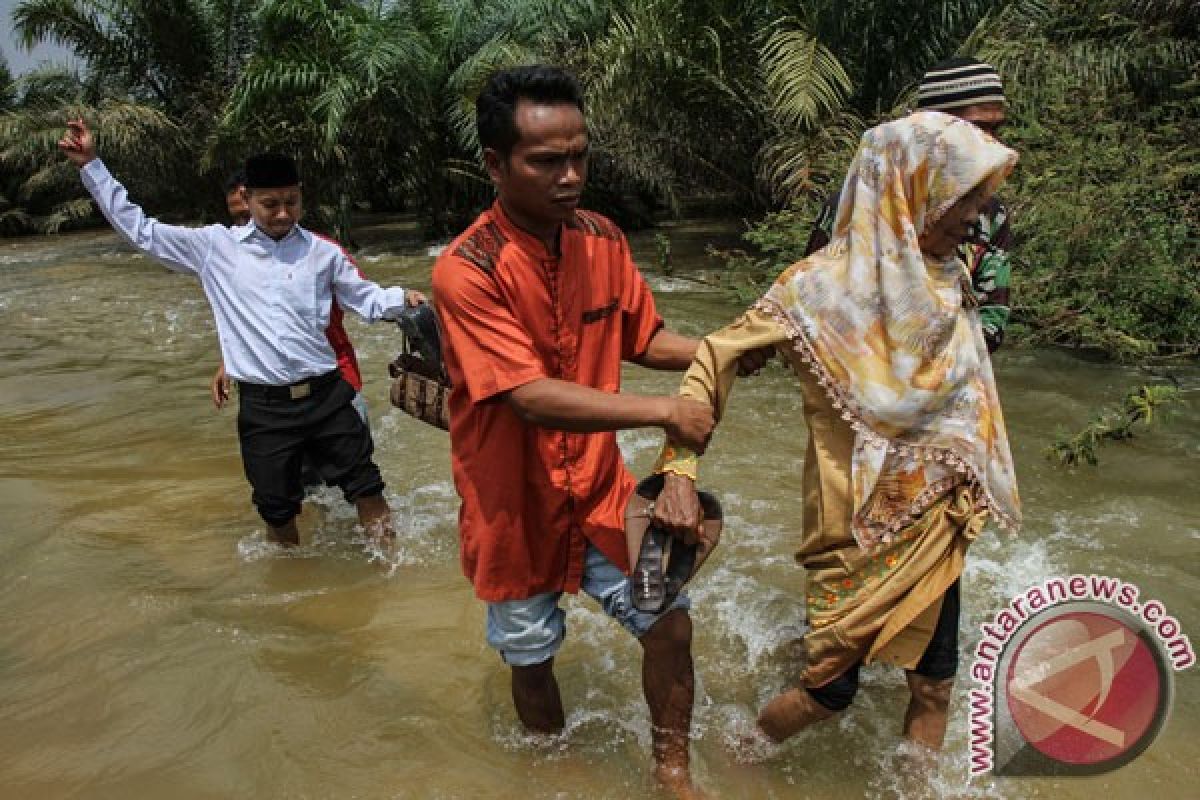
(943, 236)
(988, 117)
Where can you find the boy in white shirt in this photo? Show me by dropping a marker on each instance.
(270, 284)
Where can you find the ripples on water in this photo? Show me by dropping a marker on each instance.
(154, 644)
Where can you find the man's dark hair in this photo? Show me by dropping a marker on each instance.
(496, 105)
(236, 180)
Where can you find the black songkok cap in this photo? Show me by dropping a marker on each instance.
(271, 171)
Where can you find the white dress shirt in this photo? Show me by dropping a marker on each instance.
(271, 299)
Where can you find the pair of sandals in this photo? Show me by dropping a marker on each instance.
(664, 563)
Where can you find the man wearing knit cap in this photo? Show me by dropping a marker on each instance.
(971, 90)
(270, 284)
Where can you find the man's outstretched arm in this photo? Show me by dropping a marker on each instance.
(562, 405)
(672, 352)
(668, 351)
(178, 248)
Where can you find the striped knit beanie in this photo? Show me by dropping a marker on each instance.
(959, 82)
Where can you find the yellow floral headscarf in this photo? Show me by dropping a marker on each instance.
(887, 334)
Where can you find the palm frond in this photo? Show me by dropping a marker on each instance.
(65, 214)
(1049, 48)
(76, 25)
(797, 163)
(804, 81)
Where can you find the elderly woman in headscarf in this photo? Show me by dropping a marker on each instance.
(907, 451)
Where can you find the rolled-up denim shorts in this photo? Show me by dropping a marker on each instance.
(530, 631)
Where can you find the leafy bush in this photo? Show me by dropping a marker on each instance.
(1105, 211)
(778, 240)
(1142, 407)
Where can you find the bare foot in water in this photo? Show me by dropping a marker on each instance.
(677, 781)
(916, 769)
(746, 742)
(381, 541)
(376, 519)
(385, 543)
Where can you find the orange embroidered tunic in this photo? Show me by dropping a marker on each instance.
(512, 313)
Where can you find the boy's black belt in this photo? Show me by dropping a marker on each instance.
(295, 391)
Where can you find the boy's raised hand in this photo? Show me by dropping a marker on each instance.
(77, 143)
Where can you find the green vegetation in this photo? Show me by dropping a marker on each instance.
(747, 105)
(1142, 406)
(1106, 102)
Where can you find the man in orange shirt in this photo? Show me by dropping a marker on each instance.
(540, 303)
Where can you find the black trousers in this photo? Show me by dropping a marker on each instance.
(938, 662)
(276, 432)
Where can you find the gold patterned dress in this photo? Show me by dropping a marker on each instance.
(907, 450)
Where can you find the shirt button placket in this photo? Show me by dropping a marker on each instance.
(576, 543)
(276, 284)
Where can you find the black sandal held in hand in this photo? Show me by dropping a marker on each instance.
(664, 563)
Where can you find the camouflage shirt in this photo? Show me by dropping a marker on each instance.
(986, 258)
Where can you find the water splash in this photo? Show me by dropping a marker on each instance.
(741, 737)
(633, 443)
(665, 284)
(256, 547)
(908, 771)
